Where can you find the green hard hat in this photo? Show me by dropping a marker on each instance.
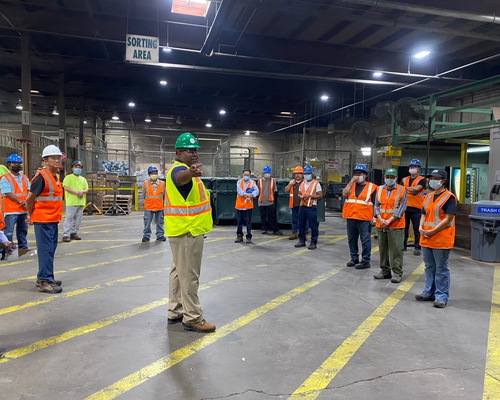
(391, 171)
(186, 141)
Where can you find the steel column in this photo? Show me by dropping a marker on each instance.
(26, 101)
(62, 113)
(81, 133)
(463, 173)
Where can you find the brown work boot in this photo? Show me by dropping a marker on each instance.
(38, 282)
(49, 287)
(201, 327)
(397, 278)
(239, 239)
(66, 239)
(74, 236)
(383, 275)
(293, 236)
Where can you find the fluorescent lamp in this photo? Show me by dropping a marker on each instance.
(247, 133)
(222, 112)
(285, 113)
(324, 97)
(479, 149)
(378, 74)
(208, 124)
(54, 111)
(115, 116)
(422, 54)
(164, 83)
(167, 49)
(19, 105)
(85, 121)
(131, 104)
(366, 151)
(147, 119)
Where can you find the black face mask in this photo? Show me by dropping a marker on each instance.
(16, 168)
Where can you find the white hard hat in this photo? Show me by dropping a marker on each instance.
(51, 150)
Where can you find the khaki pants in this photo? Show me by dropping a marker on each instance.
(391, 243)
(187, 251)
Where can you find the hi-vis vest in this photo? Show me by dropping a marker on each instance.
(21, 192)
(311, 190)
(292, 194)
(241, 202)
(434, 214)
(49, 204)
(153, 201)
(389, 205)
(272, 185)
(361, 207)
(2, 222)
(192, 215)
(414, 200)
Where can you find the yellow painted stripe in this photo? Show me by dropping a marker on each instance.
(492, 370)
(115, 247)
(244, 248)
(163, 364)
(78, 252)
(321, 378)
(8, 264)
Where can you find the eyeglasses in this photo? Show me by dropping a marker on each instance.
(191, 151)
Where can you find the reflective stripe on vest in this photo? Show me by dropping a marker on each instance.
(21, 192)
(440, 203)
(386, 212)
(49, 204)
(271, 189)
(153, 200)
(241, 201)
(434, 214)
(360, 208)
(311, 190)
(367, 201)
(414, 200)
(47, 176)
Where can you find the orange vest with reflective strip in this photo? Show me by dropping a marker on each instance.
(271, 189)
(290, 204)
(311, 190)
(389, 205)
(48, 205)
(241, 201)
(414, 200)
(434, 214)
(361, 207)
(2, 222)
(21, 193)
(153, 201)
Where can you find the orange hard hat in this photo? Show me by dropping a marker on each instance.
(298, 170)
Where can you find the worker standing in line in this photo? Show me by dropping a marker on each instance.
(246, 191)
(268, 190)
(437, 238)
(415, 185)
(154, 195)
(45, 205)
(309, 192)
(15, 187)
(188, 216)
(76, 188)
(358, 210)
(390, 207)
(293, 189)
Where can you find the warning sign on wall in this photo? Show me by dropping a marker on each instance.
(332, 165)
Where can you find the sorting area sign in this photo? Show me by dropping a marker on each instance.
(142, 49)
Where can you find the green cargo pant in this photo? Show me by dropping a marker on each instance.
(391, 244)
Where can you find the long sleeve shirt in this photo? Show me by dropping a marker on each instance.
(246, 185)
(402, 204)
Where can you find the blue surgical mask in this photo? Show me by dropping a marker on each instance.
(78, 171)
(267, 175)
(308, 177)
(246, 178)
(435, 184)
(390, 182)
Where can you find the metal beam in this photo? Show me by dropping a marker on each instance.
(217, 26)
(463, 172)
(470, 107)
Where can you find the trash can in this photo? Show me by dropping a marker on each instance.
(485, 226)
(224, 200)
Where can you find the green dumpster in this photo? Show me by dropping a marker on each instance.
(224, 200)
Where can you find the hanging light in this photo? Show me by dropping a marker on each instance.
(19, 105)
(55, 111)
(85, 121)
(147, 119)
(178, 121)
(163, 82)
(222, 112)
(208, 124)
(115, 116)
(131, 104)
(247, 133)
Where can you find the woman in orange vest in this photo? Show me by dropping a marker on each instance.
(154, 195)
(247, 190)
(437, 230)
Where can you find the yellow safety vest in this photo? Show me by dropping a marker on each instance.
(192, 215)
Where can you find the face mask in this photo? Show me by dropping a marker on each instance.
(361, 178)
(267, 175)
(154, 177)
(16, 168)
(78, 171)
(435, 184)
(307, 177)
(413, 171)
(246, 178)
(390, 182)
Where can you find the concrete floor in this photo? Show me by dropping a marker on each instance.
(274, 331)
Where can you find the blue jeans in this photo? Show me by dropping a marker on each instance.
(245, 216)
(19, 220)
(437, 273)
(295, 220)
(308, 215)
(359, 229)
(160, 223)
(46, 243)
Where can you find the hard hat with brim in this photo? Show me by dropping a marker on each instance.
(14, 158)
(391, 171)
(298, 170)
(77, 163)
(415, 163)
(186, 141)
(51, 150)
(308, 169)
(361, 168)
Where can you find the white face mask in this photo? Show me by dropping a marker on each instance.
(267, 175)
(390, 182)
(435, 184)
(246, 178)
(154, 177)
(307, 177)
(413, 171)
(361, 178)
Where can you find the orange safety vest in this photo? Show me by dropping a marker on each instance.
(434, 214)
(389, 205)
(241, 201)
(271, 189)
(414, 200)
(49, 204)
(361, 207)
(21, 192)
(153, 201)
(2, 222)
(311, 190)
(291, 196)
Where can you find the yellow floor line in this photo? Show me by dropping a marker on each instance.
(78, 252)
(135, 379)
(492, 370)
(117, 246)
(321, 378)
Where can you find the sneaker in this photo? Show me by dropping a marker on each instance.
(38, 282)
(201, 327)
(66, 239)
(162, 239)
(264, 232)
(352, 263)
(440, 303)
(248, 241)
(278, 233)
(416, 252)
(397, 279)
(312, 246)
(49, 287)
(172, 321)
(383, 275)
(293, 236)
(362, 265)
(239, 239)
(144, 239)
(421, 297)
(300, 244)
(74, 236)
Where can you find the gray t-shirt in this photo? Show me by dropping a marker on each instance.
(265, 190)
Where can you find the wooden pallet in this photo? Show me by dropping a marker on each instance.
(123, 201)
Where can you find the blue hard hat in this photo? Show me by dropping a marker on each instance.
(14, 158)
(152, 168)
(267, 168)
(76, 163)
(361, 168)
(415, 162)
(308, 169)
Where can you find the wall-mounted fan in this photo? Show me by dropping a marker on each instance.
(409, 114)
(363, 134)
(384, 109)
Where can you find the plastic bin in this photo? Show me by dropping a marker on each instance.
(485, 226)
(224, 200)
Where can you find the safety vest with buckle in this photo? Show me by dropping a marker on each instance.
(389, 205)
(153, 201)
(49, 204)
(21, 192)
(434, 214)
(272, 184)
(310, 191)
(361, 207)
(191, 215)
(414, 200)
(243, 202)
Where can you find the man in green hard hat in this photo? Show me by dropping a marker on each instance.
(188, 217)
(390, 207)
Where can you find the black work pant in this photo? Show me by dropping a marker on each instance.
(414, 217)
(268, 214)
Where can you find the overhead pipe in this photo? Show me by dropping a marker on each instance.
(217, 26)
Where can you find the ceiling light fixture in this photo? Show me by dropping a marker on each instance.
(286, 113)
(19, 105)
(378, 74)
(480, 149)
(208, 124)
(178, 121)
(55, 111)
(422, 54)
(222, 112)
(167, 49)
(115, 116)
(163, 83)
(85, 121)
(147, 119)
(32, 91)
(131, 104)
(324, 97)
(366, 151)
(247, 133)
